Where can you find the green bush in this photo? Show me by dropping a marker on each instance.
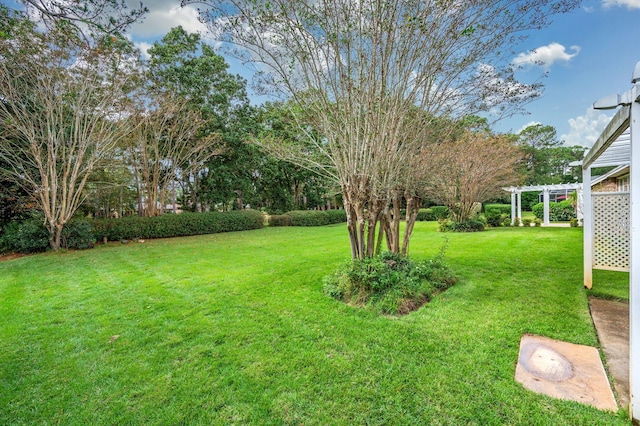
(573, 222)
(558, 212)
(279, 220)
(426, 215)
(537, 222)
(389, 283)
(538, 210)
(336, 216)
(28, 236)
(526, 223)
(516, 221)
(494, 217)
(471, 225)
(78, 234)
(316, 217)
(308, 218)
(440, 212)
(502, 208)
(176, 225)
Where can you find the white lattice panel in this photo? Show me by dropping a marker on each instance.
(611, 231)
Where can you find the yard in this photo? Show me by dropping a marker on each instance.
(234, 328)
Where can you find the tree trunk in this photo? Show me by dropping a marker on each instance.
(121, 209)
(97, 203)
(413, 208)
(55, 235)
(352, 230)
(240, 200)
(393, 222)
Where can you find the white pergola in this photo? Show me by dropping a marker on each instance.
(516, 197)
(618, 145)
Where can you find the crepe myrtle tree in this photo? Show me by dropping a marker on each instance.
(471, 168)
(61, 109)
(358, 70)
(164, 147)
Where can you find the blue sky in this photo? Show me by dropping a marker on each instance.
(588, 53)
(601, 48)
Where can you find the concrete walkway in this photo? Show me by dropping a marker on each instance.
(611, 320)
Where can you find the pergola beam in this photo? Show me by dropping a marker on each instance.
(616, 127)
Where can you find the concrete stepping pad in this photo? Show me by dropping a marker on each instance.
(565, 371)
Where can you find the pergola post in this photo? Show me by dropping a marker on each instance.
(545, 199)
(520, 205)
(513, 206)
(580, 203)
(587, 230)
(634, 256)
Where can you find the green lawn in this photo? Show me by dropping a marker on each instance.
(234, 329)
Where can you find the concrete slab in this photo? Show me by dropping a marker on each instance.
(611, 319)
(565, 371)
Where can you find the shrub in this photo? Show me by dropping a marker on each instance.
(176, 225)
(494, 217)
(502, 208)
(389, 283)
(537, 222)
(426, 215)
(440, 212)
(562, 211)
(526, 222)
(516, 221)
(472, 225)
(573, 222)
(78, 234)
(279, 220)
(316, 217)
(28, 236)
(538, 210)
(336, 216)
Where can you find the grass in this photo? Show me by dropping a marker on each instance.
(234, 329)
(528, 215)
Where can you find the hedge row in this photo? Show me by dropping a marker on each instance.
(176, 225)
(430, 214)
(308, 218)
(328, 217)
(501, 208)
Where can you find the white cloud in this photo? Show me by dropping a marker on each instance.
(545, 56)
(531, 123)
(164, 15)
(143, 47)
(586, 128)
(629, 4)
